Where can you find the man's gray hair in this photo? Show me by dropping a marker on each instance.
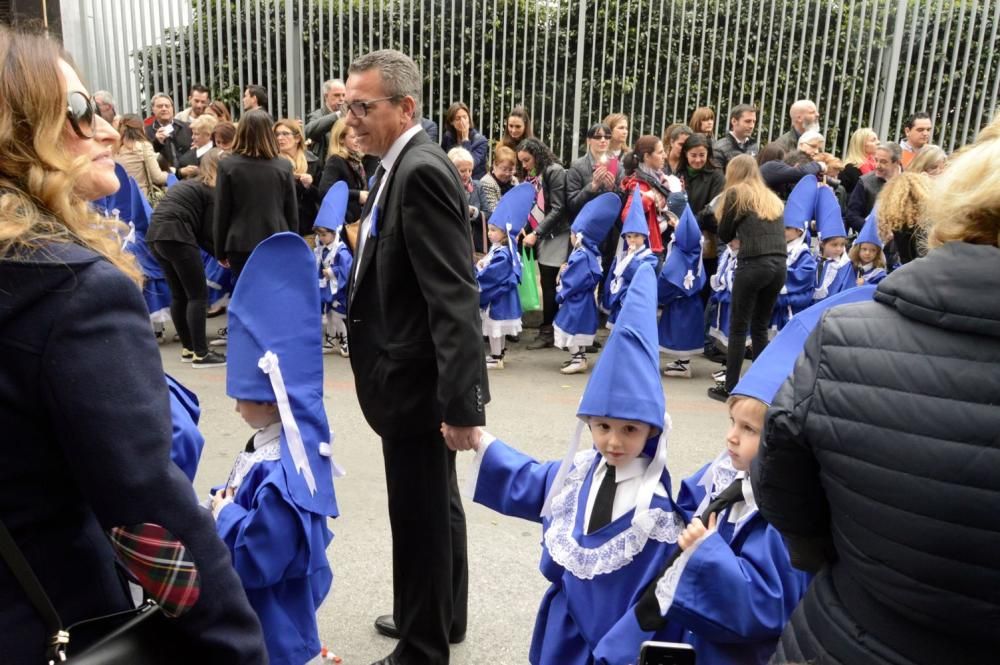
(163, 95)
(799, 106)
(400, 75)
(329, 84)
(895, 152)
(104, 97)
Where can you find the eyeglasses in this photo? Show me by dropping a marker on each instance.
(601, 137)
(360, 109)
(80, 111)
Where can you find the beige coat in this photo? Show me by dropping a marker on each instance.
(138, 159)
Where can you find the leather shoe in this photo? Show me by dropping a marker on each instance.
(388, 660)
(386, 625)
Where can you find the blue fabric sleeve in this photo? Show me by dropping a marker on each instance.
(578, 278)
(494, 279)
(512, 483)
(690, 494)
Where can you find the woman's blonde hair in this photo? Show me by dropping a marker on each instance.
(927, 159)
(38, 178)
(205, 124)
(964, 202)
(901, 203)
(338, 147)
(208, 168)
(700, 115)
(745, 191)
(299, 163)
(856, 146)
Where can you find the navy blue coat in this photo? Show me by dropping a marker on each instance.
(86, 447)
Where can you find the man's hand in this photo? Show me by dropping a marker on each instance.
(460, 438)
(162, 135)
(695, 530)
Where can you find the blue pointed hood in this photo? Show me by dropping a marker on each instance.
(767, 374)
(513, 208)
(687, 235)
(829, 217)
(635, 220)
(869, 232)
(596, 219)
(333, 211)
(800, 208)
(275, 355)
(683, 267)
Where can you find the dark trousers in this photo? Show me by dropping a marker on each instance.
(547, 276)
(430, 571)
(185, 274)
(756, 285)
(236, 262)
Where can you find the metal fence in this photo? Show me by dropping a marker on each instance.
(571, 62)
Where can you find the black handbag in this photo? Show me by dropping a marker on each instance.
(138, 636)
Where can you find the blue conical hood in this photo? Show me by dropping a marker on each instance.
(333, 210)
(626, 381)
(275, 315)
(869, 232)
(596, 218)
(513, 208)
(800, 208)
(829, 217)
(687, 235)
(635, 220)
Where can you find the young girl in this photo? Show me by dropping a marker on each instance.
(576, 320)
(834, 270)
(334, 261)
(866, 254)
(682, 323)
(800, 279)
(634, 252)
(499, 272)
(609, 524)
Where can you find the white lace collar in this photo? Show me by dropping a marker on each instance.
(267, 447)
(586, 563)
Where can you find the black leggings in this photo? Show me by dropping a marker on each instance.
(547, 275)
(185, 273)
(756, 285)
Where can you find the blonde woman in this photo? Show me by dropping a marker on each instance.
(307, 169)
(85, 468)
(860, 158)
(343, 162)
(136, 155)
(901, 210)
(749, 211)
(877, 464)
(931, 160)
(202, 129)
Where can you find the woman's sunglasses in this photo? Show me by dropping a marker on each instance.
(80, 111)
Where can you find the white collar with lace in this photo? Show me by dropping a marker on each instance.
(266, 448)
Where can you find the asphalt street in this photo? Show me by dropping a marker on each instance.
(533, 408)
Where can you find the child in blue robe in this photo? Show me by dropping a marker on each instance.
(272, 511)
(576, 321)
(633, 253)
(867, 259)
(334, 261)
(609, 524)
(682, 322)
(499, 272)
(834, 272)
(721, 300)
(800, 280)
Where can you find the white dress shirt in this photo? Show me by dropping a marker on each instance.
(628, 479)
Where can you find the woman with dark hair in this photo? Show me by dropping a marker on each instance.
(344, 161)
(224, 135)
(703, 181)
(516, 128)
(703, 122)
(254, 193)
(674, 137)
(644, 169)
(306, 167)
(459, 132)
(781, 170)
(550, 223)
(594, 173)
(220, 111)
(85, 469)
(136, 155)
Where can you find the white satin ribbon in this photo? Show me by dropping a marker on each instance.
(564, 468)
(651, 477)
(269, 365)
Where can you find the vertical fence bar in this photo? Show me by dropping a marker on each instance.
(730, 102)
(242, 23)
(787, 57)
(829, 68)
(565, 91)
(581, 22)
(989, 68)
(135, 68)
(953, 122)
(879, 99)
(901, 102)
(765, 80)
(893, 70)
(658, 91)
(943, 59)
(604, 50)
(850, 113)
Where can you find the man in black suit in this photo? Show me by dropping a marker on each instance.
(416, 352)
(170, 137)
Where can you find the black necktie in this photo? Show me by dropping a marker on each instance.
(604, 505)
(729, 496)
(250, 447)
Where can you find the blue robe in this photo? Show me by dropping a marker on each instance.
(870, 274)
(833, 276)
(721, 300)
(333, 291)
(682, 322)
(187, 442)
(576, 321)
(498, 280)
(595, 578)
(800, 284)
(619, 278)
(279, 553)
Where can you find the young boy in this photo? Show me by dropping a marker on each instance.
(334, 261)
(867, 259)
(834, 273)
(576, 321)
(608, 521)
(682, 323)
(634, 252)
(499, 272)
(800, 281)
(273, 509)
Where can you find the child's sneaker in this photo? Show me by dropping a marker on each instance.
(345, 352)
(719, 375)
(577, 364)
(678, 368)
(328, 344)
(221, 341)
(210, 359)
(187, 355)
(494, 362)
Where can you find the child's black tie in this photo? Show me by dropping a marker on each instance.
(605, 502)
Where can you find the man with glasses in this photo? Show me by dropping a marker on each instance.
(170, 137)
(416, 351)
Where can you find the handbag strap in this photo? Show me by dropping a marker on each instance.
(36, 594)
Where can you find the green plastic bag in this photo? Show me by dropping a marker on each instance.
(527, 290)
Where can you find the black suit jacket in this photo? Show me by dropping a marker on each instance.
(254, 199)
(413, 311)
(337, 169)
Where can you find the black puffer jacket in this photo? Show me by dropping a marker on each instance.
(882, 467)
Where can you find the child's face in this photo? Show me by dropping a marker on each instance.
(464, 170)
(258, 414)
(635, 240)
(834, 248)
(792, 233)
(495, 234)
(619, 441)
(867, 252)
(324, 236)
(746, 418)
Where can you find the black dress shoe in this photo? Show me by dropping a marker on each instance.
(385, 625)
(388, 660)
(719, 393)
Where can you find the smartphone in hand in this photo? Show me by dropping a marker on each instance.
(666, 653)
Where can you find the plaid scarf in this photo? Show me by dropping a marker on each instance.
(161, 565)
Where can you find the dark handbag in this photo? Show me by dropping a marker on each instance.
(140, 636)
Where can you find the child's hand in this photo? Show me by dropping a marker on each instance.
(695, 530)
(328, 272)
(221, 499)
